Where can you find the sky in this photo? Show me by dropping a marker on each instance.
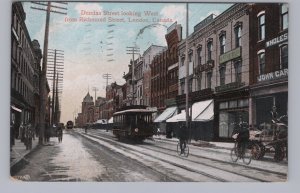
(94, 48)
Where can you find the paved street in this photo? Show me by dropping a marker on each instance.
(98, 156)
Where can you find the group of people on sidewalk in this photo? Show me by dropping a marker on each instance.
(27, 133)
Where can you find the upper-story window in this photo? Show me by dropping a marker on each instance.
(284, 56)
(182, 61)
(238, 35)
(199, 49)
(209, 50)
(261, 62)
(190, 56)
(222, 43)
(208, 79)
(238, 71)
(261, 26)
(222, 75)
(284, 16)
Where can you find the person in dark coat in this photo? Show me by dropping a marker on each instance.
(182, 135)
(243, 134)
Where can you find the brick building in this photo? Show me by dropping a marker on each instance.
(218, 59)
(269, 59)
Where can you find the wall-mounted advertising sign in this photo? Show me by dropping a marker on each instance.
(273, 75)
(277, 40)
(230, 55)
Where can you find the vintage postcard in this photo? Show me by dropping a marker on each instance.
(149, 91)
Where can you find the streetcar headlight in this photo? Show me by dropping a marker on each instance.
(136, 130)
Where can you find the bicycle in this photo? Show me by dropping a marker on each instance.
(236, 153)
(185, 149)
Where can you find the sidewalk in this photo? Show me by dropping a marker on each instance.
(19, 151)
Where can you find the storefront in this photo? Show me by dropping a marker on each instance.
(264, 96)
(229, 107)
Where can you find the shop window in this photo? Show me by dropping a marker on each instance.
(222, 75)
(238, 36)
(243, 103)
(261, 26)
(284, 16)
(223, 105)
(284, 56)
(232, 104)
(238, 71)
(261, 63)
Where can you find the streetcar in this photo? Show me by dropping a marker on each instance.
(70, 125)
(134, 122)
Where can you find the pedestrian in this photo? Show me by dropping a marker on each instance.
(59, 133)
(182, 134)
(29, 134)
(21, 132)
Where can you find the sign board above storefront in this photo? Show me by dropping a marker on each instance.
(230, 55)
(273, 75)
(277, 40)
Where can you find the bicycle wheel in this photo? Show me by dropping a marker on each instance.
(178, 149)
(186, 151)
(234, 154)
(247, 156)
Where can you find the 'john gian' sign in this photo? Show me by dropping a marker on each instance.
(273, 75)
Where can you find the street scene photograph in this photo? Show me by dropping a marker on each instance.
(148, 92)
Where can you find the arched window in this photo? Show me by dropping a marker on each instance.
(261, 61)
(261, 25)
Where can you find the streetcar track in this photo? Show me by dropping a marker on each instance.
(169, 178)
(212, 159)
(175, 164)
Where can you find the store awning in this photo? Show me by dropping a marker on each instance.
(207, 114)
(111, 120)
(169, 112)
(15, 108)
(201, 111)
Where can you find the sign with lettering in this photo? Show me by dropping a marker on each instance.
(229, 86)
(277, 40)
(204, 22)
(230, 55)
(205, 67)
(273, 75)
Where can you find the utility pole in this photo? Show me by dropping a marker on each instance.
(132, 50)
(107, 77)
(55, 65)
(95, 89)
(43, 80)
(187, 117)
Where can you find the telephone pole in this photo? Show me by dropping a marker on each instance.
(132, 50)
(95, 89)
(43, 81)
(55, 65)
(107, 77)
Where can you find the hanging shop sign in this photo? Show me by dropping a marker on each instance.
(273, 75)
(277, 40)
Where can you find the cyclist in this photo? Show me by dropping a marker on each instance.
(182, 134)
(243, 135)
